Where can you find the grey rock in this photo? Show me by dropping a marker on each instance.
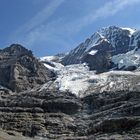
(20, 70)
(100, 62)
(58, 115)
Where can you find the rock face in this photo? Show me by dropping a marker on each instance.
(20, 70)
(100, 65)
(59, 115)
(111, 40)
(45, 113)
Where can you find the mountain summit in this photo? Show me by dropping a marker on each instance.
(20, 70)
(98, 50)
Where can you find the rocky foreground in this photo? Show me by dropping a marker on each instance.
(58, 115)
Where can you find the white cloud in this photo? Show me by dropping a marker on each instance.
(112, 7)
(40, 17)
(109, 9)
(37, 29)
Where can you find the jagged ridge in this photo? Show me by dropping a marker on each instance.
(107, 42)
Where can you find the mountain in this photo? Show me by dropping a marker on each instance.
(94, 96)
(20, 70)
(98, 50)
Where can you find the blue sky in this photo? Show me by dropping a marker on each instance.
(48, 27)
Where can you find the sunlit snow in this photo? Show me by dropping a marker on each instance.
(130, 30)
(131, 58)
(93, 52)
(78, 80)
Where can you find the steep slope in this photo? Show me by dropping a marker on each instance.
(135, 38)
(128, 61)
(20, 70)
(106, 42)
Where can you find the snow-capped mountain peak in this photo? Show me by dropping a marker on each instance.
(113, 40)
(110, 52)
(131, 30)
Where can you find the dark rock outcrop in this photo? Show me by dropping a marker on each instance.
(58, 115)
(100, 65)
(20, 70)
(44, 113)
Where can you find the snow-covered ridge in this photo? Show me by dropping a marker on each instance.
(116, 40)
(95, 39)
(131, 30)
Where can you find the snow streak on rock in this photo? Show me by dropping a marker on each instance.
(93, 52)
(131, 58)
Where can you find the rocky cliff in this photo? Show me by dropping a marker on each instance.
(20, 70)
(61, 115)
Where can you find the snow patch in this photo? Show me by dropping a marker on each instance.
(49, 63)
(131, 58)
(47, 58)
(130, 30)
(78, 80)
(74, 78)
(49, 67)
(93, 52)
(135, 38)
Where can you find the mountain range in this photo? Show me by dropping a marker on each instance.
(90, 93)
